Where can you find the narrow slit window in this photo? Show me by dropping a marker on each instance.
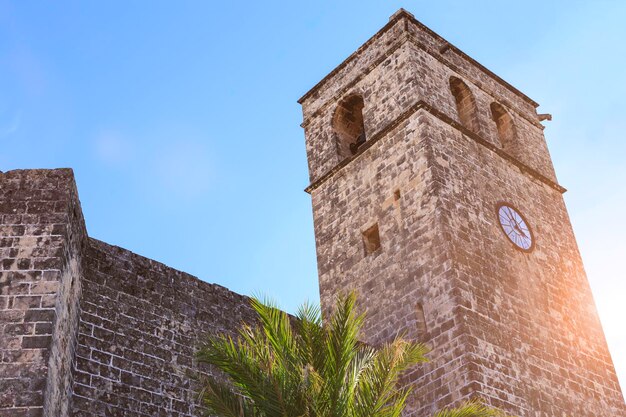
(371, 239)
(421, 321)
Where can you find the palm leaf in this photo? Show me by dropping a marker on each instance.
(474, 408)
(302, 367)
(220, 399)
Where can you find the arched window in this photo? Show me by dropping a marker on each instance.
(348, 126)
(465, 104)
(504, 123)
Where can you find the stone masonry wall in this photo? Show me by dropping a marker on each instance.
(58, 393)
(536, 343)
(141, 322)
(403, 64)
(41, 232)
(521, 333)
(90, 329)
(518, 329)
(392, 185)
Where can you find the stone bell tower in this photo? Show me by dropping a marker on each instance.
(434, 197)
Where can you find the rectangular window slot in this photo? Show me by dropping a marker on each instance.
(371, 239)
(421, 321)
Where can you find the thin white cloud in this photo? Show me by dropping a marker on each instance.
(11, 124)
(30, 71)
(112, 148)
(184, 167)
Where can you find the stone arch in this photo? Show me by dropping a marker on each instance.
(465, 104)
(349, 126)
(507, 134)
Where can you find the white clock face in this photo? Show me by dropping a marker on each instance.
(515, 227)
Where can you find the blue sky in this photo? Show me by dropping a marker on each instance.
(181, 123)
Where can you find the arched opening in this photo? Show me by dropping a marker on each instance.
(465, 104)
(506, 128)
(348, 126)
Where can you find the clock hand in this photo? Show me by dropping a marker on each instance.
(519, 230)
(516, 224)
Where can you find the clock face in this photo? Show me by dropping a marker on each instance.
(515, 227)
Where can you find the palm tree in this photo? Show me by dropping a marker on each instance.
(286, 367)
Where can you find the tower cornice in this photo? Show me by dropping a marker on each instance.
(525, 169)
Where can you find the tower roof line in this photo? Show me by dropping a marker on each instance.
(403, 14)
(407, 37)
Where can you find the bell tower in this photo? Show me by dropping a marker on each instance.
(435, 199)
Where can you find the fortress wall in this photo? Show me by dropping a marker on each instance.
(41, 236)
(141, 322)
(58, 393)
(90, 329)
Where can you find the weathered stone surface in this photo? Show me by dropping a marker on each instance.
(518, 329)
(141, 323)
(406, 218)
(42, 234)
(89, 329)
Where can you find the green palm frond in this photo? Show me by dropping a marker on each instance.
(220, 399)
(311, 333)
(379, 393)
(474, 408)
(248, 370)
(341, 346)
(301, 367)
